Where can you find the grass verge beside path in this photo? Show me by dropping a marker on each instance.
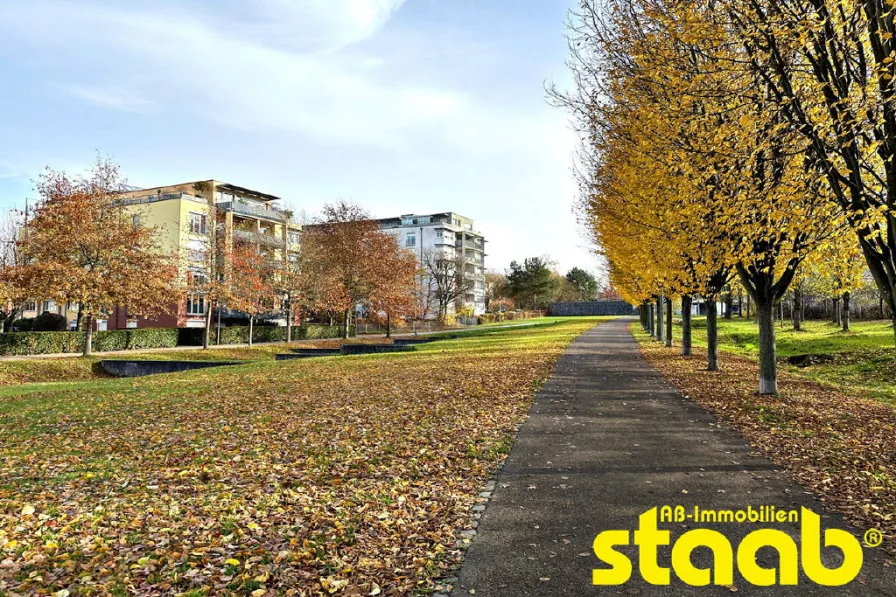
(741, 336)
(839, 445)
(311, 477)
(14, 372)
(863, 360)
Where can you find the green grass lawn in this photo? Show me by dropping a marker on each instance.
(77, 368)
(863, 359)
(349, 473)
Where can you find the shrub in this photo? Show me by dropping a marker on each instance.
(240, 334)
(23, 325)
(49, 322)
(24, 343)
(487, 318)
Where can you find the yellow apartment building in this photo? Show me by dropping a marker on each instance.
(189, 216)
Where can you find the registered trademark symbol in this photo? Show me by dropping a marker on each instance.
(873, 538)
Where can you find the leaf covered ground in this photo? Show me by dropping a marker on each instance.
(839, 444)
(349, 476)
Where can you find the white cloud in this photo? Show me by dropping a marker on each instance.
(110, 96)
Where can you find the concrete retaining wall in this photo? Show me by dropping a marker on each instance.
(123, 368)
(582, 308)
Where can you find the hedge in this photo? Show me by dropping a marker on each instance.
(24, 343)
(240, 334)
(509, 316)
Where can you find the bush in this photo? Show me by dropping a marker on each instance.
(240, 334)
(488, 318)
(23, 325)
(24, 343)
(49, 322)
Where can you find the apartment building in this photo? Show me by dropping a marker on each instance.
(448, 234)
(190, 215)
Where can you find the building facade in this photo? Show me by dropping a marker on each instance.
(197, 219)
(451, 236)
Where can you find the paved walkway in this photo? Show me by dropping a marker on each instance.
(607, 440)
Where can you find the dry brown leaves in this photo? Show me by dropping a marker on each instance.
(840, 446)
(351, 476)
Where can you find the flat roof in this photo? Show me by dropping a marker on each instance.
(244, 191)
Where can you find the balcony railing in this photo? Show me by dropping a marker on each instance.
(257, 211)
(268, 240)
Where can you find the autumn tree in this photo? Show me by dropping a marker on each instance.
(827, 69)
(14, 283)
(250, 280)
(87, 245)
(694, 156)
(444, 279)
(495, 287)
(394, 284)
(205, 261)
(344, 264)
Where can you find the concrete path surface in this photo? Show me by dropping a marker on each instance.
(607, 440)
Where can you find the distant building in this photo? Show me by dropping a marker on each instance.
(448, 234)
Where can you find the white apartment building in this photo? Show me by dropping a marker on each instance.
(450, 234)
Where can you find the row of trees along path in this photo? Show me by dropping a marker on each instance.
(741, 139)
(84, 244)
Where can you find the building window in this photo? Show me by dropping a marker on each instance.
(29, 306)
(410, 240)
(293, 238)
(198, 278)
(49, 306)
(197, 250)
(195, 304)
(197, 223)
(135, 220)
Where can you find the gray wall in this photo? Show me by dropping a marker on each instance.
(591, 308)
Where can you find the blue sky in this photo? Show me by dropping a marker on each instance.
(398, 105)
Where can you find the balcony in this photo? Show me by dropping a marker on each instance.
(260, 211)
(268, 240)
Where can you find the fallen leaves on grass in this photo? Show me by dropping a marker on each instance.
(350, 476)
(840, 446)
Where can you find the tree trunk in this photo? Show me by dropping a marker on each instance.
(650, 320)
(388, 325)
(10, 319)
(845, 316)
(251, 328)
(768, 375)
(797, 310)
(80, 318)
(712, 336)
(835, 316)
(686, 303)
(749, 302)
(345, 315)
(669, 323)
(288, 321)
(88, 337)
(660, 329)
(642, 315)
(729, 304)
(208, 326)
